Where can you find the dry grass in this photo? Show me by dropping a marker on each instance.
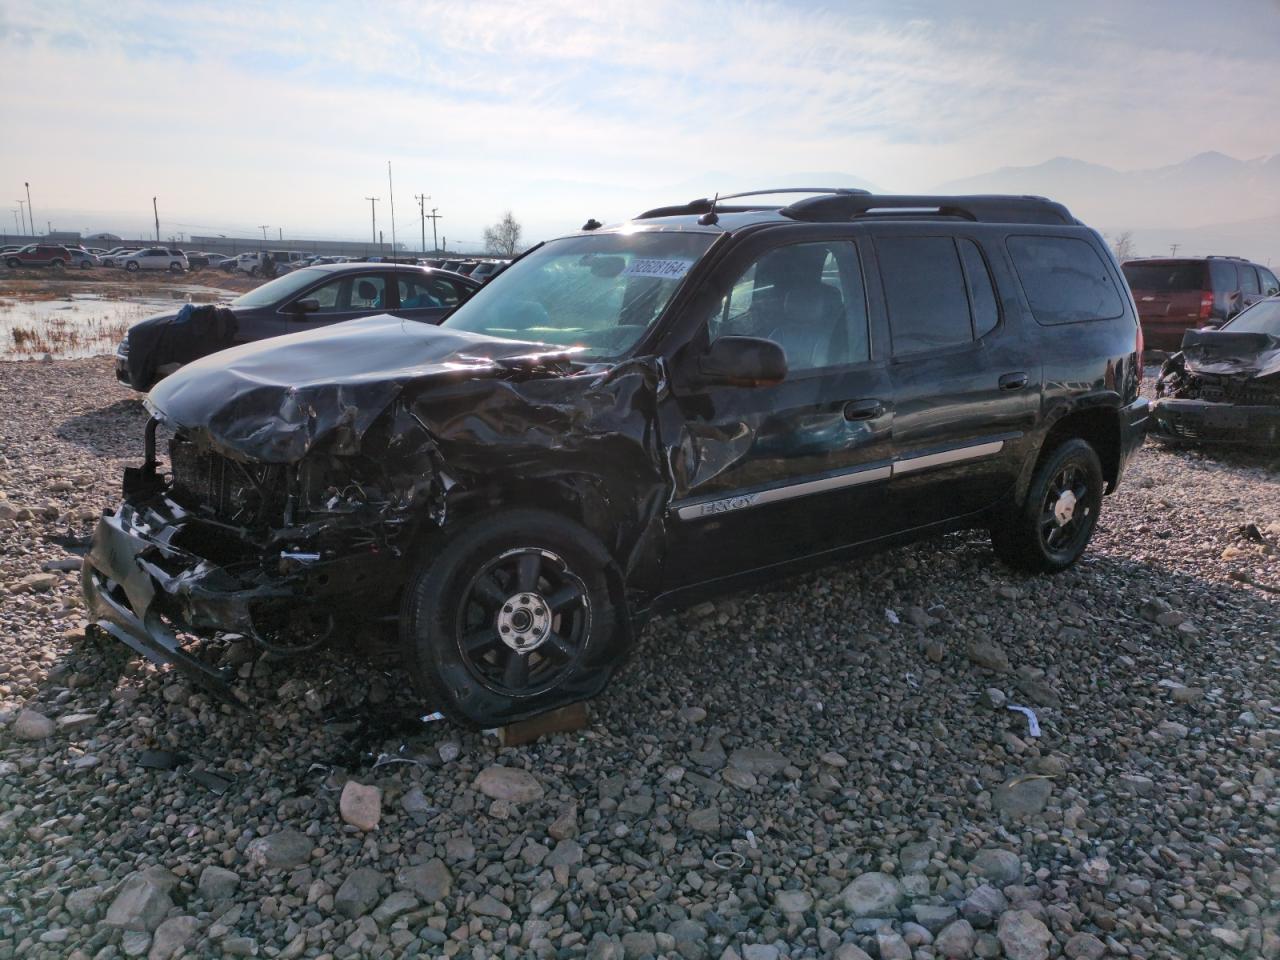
(60, 336)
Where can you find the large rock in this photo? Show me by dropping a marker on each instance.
(32, 725)
(172, 937)
(1001, 867)
(1023, 936)
(400, 902)
(360, 806)
(758, 761)
(430, 881)
(872, 895)
(989, 656)
(982, 907)
(508, 783)
(1022, 796)
(955, 941)
(280, 851)
(142, 901)
(217, 883)
(358, 893)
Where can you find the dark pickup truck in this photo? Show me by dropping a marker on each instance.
(709, 396)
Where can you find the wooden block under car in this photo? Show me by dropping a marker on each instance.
(561, 720)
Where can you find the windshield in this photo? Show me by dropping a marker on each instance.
(599, 292)
(282, 288)
(1263, 317)
(1171, 277)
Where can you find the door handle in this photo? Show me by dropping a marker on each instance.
(1013, 381)
(863, 409)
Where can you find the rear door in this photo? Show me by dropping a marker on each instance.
(966, 382)
(1250, 287)
(425, 297)
(768, 474)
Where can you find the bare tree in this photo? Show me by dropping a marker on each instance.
(1122, 245)
(503, 238)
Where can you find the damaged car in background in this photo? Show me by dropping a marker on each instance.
(1224, 385)
(626, 420)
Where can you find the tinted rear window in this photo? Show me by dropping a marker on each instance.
(1165, 277)
(1065, 280)
(925, 290)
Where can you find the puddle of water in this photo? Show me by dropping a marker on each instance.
(86, 324)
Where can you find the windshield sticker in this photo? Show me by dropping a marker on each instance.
(663, 269)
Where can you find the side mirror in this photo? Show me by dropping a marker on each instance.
(743, 362)
(306, 305)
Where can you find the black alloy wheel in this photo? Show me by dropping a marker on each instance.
(1053, 525)
(522, 622)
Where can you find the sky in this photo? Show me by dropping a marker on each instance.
(237, 115)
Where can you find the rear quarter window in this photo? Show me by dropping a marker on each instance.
(1064, 279)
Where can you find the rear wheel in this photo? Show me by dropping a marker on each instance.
(85, 264)
(55, 265)
(132, 266)
(175, 267)
(512, 617)
(1053, 526)
(14, 263)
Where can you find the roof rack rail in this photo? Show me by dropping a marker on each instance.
(705, 205)
(993, 208)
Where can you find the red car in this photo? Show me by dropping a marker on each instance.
(1177, 295)
(39, 255)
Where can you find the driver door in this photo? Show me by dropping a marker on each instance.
(769, 474)
(346, 297)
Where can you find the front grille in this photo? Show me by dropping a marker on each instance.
(233, 491)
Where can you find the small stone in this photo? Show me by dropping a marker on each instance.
(638, 944)
(360, 805)
(35, 583)
(1023, 936)
(217, 883)
(872, 895)
(172, 936)
(430, 881)
(566, 853)
(143, 900)
(706, 820)
(993, 698)
(32, 725)
(400, 902)
(1228, 938)
(1097, 871)
(1172, 730)
(758, 760)
(833, 759)
(1084, 946)
(565, 825)
(986, 903)
(76, 721)
(449, 751)
(792, 901)
(933, 918)
(1153, 608)
(955, 941)
(240, 946)
(892, 946)
(415, 802)
(758, 951)
(1001, 867)
(850, 951)
(508, 783)
(1136, 784)
(459, 849)
(989, 656)
(487, 906)
(1023, 796)
(742, 779)
(914, 857)
(280, 851)
(134, 943)
(692, 714)
(358, 893)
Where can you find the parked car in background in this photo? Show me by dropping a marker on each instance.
(1174, 295)
(628, 420)
(1223, 386)
(49, 255)
(155, 258)
(115, 256)
(82, 258)
(198, 259)
(304, 300)
(487, 270)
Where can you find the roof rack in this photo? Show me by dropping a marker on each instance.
(981, 209)
(717, 203)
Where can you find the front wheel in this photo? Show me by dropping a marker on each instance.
(85, 264)
(511, 617)
(55, 265)
(1053, 525)
(14, 263)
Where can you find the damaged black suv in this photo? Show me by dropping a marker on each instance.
(628, 419)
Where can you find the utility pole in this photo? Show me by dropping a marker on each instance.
(380, 250)
(22, 205)
(434, 217)
(156, 210)
(1173, 249)
(391, 192)
(422, 212)
(16, 228)
(263, 228)
(373, 217)
(31, 211)
(281, 231)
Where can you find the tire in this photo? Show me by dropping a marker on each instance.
(55, 264)
(1050, 530)
(85, 264)
(132, 266)
(14, 263)
(483, 646)
(253, 271)
(175, 268)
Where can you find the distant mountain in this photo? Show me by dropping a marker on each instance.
(1206, 189)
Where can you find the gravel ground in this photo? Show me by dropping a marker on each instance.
(795, 773)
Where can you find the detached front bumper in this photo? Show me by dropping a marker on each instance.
(141, 587)
(1200, 421)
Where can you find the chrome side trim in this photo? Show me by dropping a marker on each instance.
(957, 455)
(742, 501)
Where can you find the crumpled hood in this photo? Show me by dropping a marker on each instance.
(1224, 353)
(273, 400)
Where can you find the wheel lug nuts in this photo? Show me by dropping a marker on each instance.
(507, 608)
